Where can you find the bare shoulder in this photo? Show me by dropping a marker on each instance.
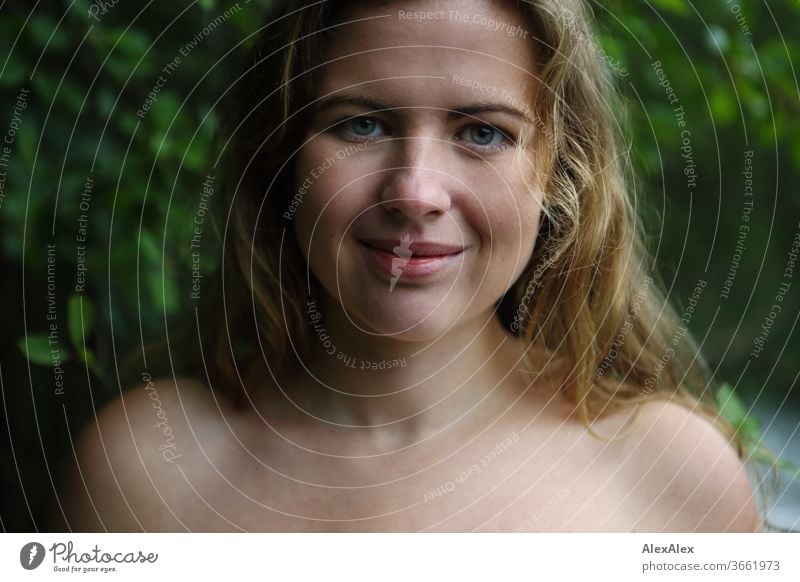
(688, 476)
(126, 474)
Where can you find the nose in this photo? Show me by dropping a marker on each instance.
(417, 184)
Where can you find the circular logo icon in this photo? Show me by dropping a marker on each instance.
(31, 555)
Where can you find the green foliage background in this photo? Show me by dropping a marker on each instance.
(87, 78)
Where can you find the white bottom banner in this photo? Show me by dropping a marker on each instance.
(400, 557)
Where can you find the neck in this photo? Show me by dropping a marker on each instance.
(406, 389)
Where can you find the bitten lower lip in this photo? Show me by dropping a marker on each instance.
(391, 265)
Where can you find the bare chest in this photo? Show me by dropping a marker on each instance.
(508, 481)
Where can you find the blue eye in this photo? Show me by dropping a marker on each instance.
(361, 127)
(485, 136)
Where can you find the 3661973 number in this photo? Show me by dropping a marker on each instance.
(754, 565)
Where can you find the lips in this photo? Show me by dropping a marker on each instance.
(402, 248)
(401, 260)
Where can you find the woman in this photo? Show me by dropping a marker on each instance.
(455, 327)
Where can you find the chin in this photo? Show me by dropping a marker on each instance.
(404, 319)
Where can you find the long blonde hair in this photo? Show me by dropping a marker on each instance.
(586, 299)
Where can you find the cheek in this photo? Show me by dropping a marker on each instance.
(331, 199)
(510, 227)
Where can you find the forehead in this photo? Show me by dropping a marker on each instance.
(426, 52)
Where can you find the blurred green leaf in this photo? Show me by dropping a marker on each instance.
(150, 247)
(731, 408)
(163, 293)
(44, 30)
(133, 43)
(15, 68)
(36, 348)
(87, 357)
(723, 105)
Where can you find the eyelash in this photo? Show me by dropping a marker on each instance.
(341, 127)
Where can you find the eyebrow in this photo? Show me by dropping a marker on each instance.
(452, 112)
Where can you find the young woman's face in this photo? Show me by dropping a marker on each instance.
(418, 209)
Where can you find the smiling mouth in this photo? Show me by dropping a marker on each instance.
(401, 259)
